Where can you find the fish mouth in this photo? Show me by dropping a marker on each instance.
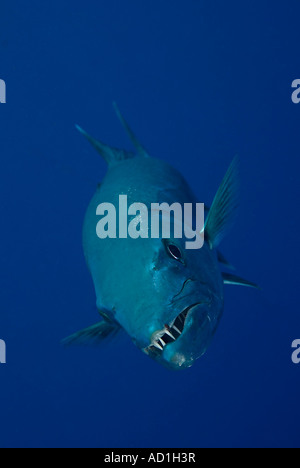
(170, 333)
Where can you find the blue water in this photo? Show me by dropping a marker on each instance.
(199, 81)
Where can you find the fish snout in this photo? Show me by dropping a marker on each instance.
(184, 339)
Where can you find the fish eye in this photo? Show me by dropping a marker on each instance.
(174, 252)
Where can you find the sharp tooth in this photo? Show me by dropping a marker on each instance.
(170, 334)
(162, 342)
(176, 329)
(157, 345)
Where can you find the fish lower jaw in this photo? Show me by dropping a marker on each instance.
(170, 333)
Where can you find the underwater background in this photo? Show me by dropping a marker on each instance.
(199, 81)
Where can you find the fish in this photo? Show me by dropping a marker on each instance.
(168, 299)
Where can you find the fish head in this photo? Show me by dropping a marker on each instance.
(180, 303)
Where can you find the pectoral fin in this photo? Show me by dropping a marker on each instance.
(237, 281)
(223, 210)
(93, 335)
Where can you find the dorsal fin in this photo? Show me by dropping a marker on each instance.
(138, 146)
(111, 155)
(224, 207)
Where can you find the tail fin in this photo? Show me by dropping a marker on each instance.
(138, 146)
(114, 155)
